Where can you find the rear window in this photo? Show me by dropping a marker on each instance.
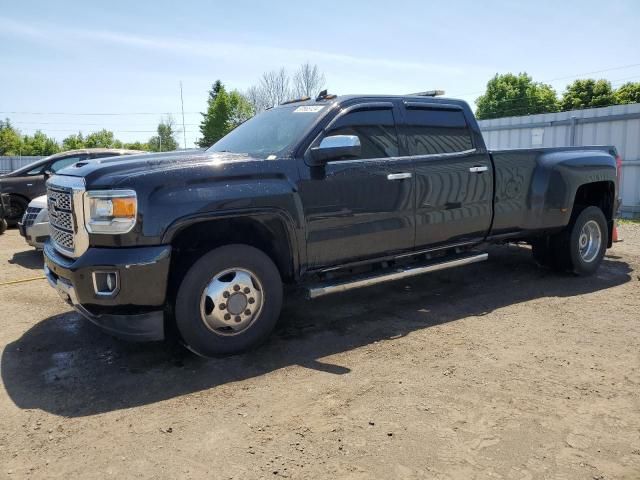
(432, 131)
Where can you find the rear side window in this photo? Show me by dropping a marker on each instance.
(375, 129)
(431, 131)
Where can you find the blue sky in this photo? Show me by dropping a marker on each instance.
(127, 57)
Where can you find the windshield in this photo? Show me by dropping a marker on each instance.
(273, 132)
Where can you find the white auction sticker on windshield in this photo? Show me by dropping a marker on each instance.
(308, 109)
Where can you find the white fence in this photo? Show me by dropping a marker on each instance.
(9, 164)
(618, 125)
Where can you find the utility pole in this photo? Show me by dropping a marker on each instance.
(184, 132)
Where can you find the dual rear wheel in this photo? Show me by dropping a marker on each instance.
(579, 248)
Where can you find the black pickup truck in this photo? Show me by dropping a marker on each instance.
(327, 194)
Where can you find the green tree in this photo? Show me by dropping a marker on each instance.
(225, 111)
(628, 93)
(215, 122)
(102, 139)
(588, 93)
(39, 144)
(215, 90)
(10, 139)
(165, 140)
(241, 109)
(509, 95)
(73, 142)
(136, 146)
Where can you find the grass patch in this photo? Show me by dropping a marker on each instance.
(629, 221)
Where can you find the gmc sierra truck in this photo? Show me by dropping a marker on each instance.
(327, 194)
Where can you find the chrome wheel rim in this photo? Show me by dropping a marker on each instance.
(590, 241)
(231, 301)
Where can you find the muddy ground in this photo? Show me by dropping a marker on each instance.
(494, 370)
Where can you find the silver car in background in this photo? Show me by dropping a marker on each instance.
(34, 226)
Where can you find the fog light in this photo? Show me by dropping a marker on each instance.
(106, 283)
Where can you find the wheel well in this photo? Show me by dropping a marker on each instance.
(11, 196)
(20, 196)
(598, 194)
(267, 233)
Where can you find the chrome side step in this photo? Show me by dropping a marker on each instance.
(327, 288)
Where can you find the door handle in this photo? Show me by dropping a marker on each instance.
(399, 176)
(479, 169)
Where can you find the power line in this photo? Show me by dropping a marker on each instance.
(113, 130)
(79, 124)
(99, 113)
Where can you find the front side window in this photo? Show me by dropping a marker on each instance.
(432, 131)
(35, 171)
(375, 129)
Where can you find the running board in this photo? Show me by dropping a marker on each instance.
(327, 288)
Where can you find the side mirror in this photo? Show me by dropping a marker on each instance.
(334, 147)
(47, 173)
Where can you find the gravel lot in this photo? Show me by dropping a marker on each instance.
(495, 370)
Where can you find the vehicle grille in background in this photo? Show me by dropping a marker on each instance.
(60, 203)
(30, 215)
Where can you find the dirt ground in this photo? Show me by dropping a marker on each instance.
(496, 370)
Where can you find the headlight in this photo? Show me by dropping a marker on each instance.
(110, 211)
(42, 217)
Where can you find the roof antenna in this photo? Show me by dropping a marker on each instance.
(321, 95)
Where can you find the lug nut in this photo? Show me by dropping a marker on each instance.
(225, 294)
(227, 316)
(222, 306)
(247, 312)
(246, 290)
(236, 287)
(251, 300)
(238, 319)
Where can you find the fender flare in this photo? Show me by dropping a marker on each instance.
(294, 233)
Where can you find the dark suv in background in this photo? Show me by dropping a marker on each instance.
(26, 183)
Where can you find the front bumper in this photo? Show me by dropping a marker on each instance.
(36, 234)
(136, 310)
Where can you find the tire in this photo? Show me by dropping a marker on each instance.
(17, 206)
(217, 292)
(581, 247)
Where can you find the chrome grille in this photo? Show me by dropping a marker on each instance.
(66, 220)
(60, 209)
(62, 198)
(62, 239)
(30, 215)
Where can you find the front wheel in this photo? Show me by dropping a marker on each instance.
(229, 301)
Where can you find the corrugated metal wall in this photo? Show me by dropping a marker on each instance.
(618, 125)
(9, 164)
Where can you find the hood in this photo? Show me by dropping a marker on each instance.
(39, 202)
(111, 171)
